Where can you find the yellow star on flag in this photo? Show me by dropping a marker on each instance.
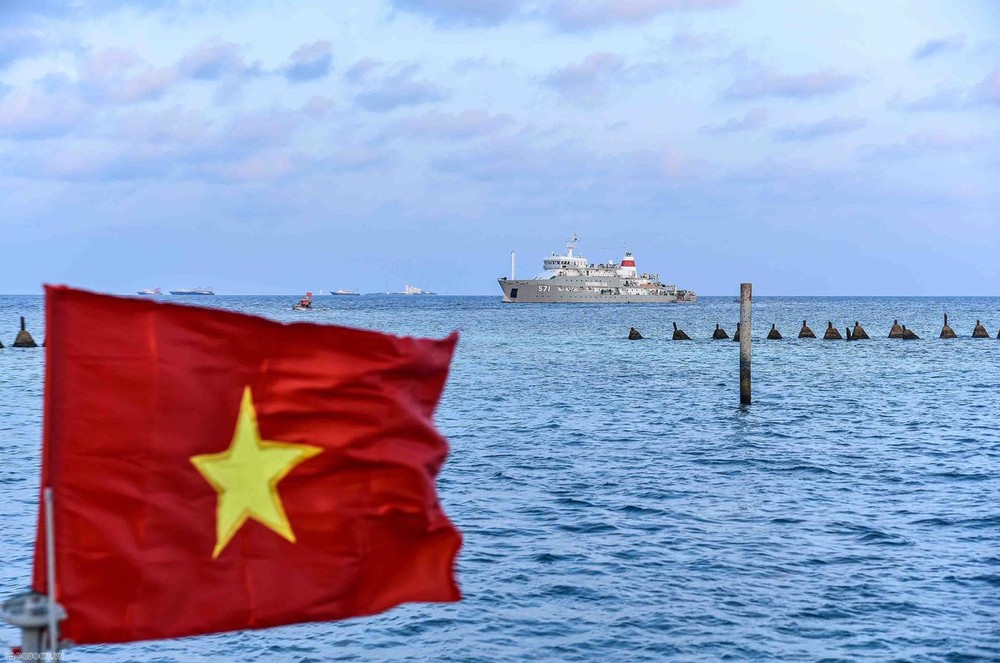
(246, 477)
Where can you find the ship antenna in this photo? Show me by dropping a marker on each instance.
(570, 244)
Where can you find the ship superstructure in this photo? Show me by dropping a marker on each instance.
(572, 279)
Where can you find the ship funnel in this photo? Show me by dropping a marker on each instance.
(627, 269)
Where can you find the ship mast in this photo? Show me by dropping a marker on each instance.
(512, 264)
(570, 245)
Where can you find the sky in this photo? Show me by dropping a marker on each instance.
(272, 147)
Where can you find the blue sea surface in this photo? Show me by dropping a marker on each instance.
(617, 503)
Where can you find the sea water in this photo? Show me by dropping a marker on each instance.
(618, 505)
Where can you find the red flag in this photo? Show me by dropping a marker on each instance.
(213, 471)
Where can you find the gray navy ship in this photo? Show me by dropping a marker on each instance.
(571, 279)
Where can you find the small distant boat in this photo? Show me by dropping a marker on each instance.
(345, 292)
(193, 291)
(152, 293)
(413, 290)
(304, 304)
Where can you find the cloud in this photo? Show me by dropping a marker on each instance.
(676, 164)
(18, 45)
(566, 15)
(589, 82)
(27, 10)
(574, 15)
(126, 161)
(519, 159)
(215, 59)
(396, 89)
(89, 163)
(511, 159)
(988, 90)
(467, 65)
(172, 125)
(121, 76)
(39, 115)
(451, 126)
(318, 106)
(938, 47)
(586, 82)
(309, 62)
(688, 42)
(362, 69)
(150, 84)
(464, 12)
(260, 129)
(943, 99)
(261, 167)
(178, 143)
(925, 142)
(766, 83)
(755, 118)
(828, 127)
(356, 157)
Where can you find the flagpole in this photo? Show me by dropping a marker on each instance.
(36, 613)
(50, 568)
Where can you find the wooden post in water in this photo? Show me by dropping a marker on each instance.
(746, 297)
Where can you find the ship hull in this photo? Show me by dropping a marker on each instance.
(575, 290)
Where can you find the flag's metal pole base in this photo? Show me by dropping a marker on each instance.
(30, 612)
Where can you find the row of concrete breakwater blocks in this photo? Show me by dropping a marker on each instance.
(23, 339)
(832, 333)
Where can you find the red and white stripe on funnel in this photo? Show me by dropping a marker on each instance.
(628, 265)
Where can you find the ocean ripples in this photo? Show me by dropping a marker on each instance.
(617, 504)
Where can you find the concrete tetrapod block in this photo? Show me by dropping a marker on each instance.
(633, 334)
(980, 331)
(946, 331)
(832, 333)
(908, 334)
(896, 331)
(805, 332)
(849, 337)
(736, 336)
(859, 334)
(719, 333)
(679, 334)
(774, 334)
(24, 339)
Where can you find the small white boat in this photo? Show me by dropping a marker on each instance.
(412, 290)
